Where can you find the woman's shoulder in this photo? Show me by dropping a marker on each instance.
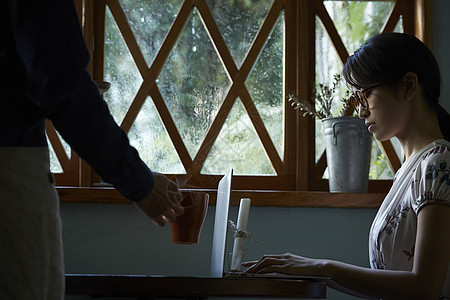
(438, 149)
(431, 181)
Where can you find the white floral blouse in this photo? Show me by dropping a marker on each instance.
(423, 179)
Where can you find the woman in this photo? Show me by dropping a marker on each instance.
(396, 82)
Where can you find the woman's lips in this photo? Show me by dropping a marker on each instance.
(370, 126)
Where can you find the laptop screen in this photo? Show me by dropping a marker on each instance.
(220, 225)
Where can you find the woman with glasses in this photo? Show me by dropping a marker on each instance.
(396, 82)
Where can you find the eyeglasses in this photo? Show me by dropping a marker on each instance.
(359, 97)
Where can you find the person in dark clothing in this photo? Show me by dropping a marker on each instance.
(43, 60)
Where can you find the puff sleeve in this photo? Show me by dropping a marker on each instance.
(431, 181)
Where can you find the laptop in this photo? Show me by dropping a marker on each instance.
(220, 235)
(220, 225)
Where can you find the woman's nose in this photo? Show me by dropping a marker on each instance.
(363, 113)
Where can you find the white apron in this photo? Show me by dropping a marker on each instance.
(31, 256)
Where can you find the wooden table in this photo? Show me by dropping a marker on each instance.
(148, 287)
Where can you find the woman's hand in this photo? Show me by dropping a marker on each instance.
(286, 264)
(162, 205)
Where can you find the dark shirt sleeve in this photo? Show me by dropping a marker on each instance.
(49, 41)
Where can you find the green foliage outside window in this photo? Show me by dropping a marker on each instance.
(193, 81)
(355, 21)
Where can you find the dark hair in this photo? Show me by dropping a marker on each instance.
(385, 58)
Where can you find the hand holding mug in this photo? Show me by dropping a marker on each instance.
(162, 205)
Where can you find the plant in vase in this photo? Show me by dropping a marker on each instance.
(322, 97)
(348, 143)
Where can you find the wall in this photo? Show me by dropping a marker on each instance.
(441, 46)
(120, 240)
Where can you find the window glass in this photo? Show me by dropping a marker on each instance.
(238, 22)
(193, 83)
(328, 64)
(265, 85)
(55, 166)
(237, 146)
(150, 20)
(355, 21)
(120, 70)
(149, 136)
(399, 26)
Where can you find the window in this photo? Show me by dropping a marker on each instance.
(201, 85)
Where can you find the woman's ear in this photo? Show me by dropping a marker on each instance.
(411, 84)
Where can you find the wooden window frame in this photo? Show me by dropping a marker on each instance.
(299, 181)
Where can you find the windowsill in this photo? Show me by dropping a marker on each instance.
(259, 198)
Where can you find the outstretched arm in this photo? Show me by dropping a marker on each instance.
(50, 44)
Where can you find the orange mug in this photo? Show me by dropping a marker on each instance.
(186, 229)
